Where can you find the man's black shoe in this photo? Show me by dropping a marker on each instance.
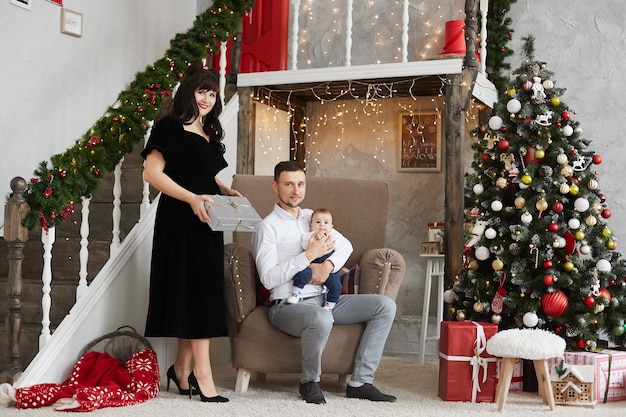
(368, 392)
(311, 393)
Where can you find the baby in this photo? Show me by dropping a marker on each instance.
(322, 226)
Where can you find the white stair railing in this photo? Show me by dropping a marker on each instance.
(84, 250)
(47, 239)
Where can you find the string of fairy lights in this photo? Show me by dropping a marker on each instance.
(338, 111)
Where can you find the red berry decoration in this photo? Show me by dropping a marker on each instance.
(503, 145)
(555, 303)
(589, 301)
(596, 159)
(606, 213)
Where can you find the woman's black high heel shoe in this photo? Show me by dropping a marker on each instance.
(193, 383)
(171, 375)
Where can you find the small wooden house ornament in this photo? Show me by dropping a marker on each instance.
(573, 384)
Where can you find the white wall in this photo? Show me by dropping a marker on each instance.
(56, 86)
(583, 44)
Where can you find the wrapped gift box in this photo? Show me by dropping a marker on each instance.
(232, 214)
(517, 380)
(610, 372)
(466, 371)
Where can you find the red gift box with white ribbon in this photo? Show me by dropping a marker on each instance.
(466, 371)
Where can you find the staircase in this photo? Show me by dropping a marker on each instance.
(65, 263)
(118, 286)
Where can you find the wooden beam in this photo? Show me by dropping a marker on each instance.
(245, 132)
(458, 94)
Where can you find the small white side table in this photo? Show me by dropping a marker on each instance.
(434, 269)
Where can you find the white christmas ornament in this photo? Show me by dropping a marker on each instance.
(495, 123)
(526, 218)
(592, 184)
(603, 265)
(559, 242)
(591, 220)
(496, 205)
(523, 186)
(482, 253)
(561, 159)
(564, 188)
(573, 223)
(568, 130)
(530, 319)
(581, 205)
(585, 249)
(478, 189)
(513, 105)
(449, 296)
(490, 233)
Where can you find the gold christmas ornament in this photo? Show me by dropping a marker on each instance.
(567, 171)
(496, 319)
(478, 307)
(497, 265)
(460, 315)
(520, 202)
(541, 205)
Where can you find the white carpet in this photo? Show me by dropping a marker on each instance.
(414, 385)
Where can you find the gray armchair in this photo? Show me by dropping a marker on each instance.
(359, 210)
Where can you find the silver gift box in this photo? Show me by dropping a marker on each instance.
(232, 214)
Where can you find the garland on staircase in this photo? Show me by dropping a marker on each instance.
(74, 174)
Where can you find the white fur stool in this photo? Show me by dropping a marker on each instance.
(531, 344)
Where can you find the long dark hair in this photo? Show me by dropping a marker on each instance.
(184, 106)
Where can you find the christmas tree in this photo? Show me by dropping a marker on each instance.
(540, 252)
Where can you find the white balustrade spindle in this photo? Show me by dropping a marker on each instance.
(349, 34)
(405, 31)
(117, 212)
(84, 251)
(484, 8)
(47, 239)
(223, 63)
(145, 199)
(295, 28)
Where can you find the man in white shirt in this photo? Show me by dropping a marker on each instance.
(279, 256)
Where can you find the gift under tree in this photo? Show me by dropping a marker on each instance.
(541, 253)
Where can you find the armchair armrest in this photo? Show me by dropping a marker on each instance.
(239, 283)
(382, 272)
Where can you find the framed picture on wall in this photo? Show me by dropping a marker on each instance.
(71, 22)
(419, 149)
(24, 4)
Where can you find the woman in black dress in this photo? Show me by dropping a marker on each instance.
(183, 156)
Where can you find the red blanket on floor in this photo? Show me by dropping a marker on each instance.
(98, 381)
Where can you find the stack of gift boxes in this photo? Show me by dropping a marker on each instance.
(468, 373)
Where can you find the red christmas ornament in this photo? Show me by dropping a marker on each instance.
(553, 227)
(606, 213)
(529, 158)
(554, 304)
(485, 156)
(605, 293)
(527, 86)
(503, 145)
(557, 207)
(565, 115)
(548, 280)
(53, 216)
(596, 159)
(589, 301)
(602, 198)
(580, 344)
(558, 330)
(574, 152)
(547, 264)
